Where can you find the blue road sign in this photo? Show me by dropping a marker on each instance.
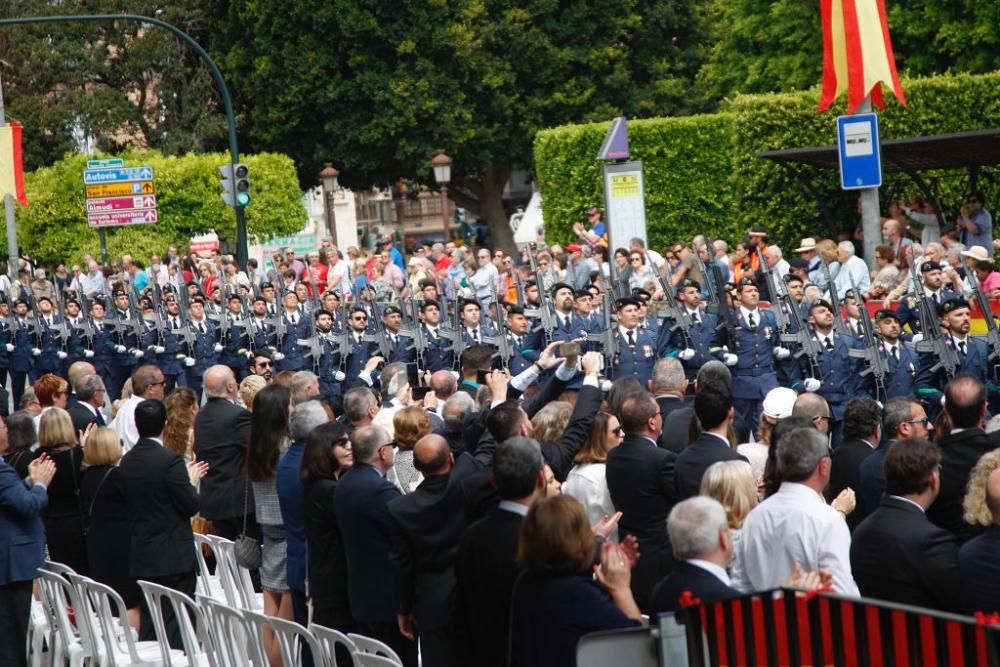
(858, 151)
(104, 164)
(117, 175)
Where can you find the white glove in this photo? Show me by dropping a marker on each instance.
(120, 349)
(10, 347)
(138, 354)
(248, 354)
(730, 359)
(159, 349)
(218, 347)
(278, 356)
(35, 352)
(942, 401)
(189, 361)
(686, 354)
(62, 355)
(812, 384)
(88, 354)
(339, 376)
(917, 337)
(781, 353)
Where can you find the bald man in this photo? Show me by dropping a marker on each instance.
(221, 434)
(426, 528)
(75, 374)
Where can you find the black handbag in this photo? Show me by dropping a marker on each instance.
(248, 549)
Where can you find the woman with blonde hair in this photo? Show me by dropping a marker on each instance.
(106, 517)
(976, 503)
(734, 485)
(249, 387)
(549, 423)
(63, 516)
(586, 481)
(182, 408)
(409, 425)
(977, 563)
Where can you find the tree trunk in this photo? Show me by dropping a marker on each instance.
(493, 180)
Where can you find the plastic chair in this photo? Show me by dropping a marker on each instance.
(234, 639)
(39, 629)
(238, 578)
(292, 637)
(197, 648)
(68, 643)
(373, 648)
(330, 639)
(210, 585)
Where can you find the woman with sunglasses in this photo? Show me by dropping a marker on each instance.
(642, 272)
(586, 481)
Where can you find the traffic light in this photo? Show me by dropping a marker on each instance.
(235, 184)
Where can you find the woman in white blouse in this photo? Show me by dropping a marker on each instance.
(586, 481)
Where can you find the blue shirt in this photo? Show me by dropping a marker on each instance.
(397, 259)
(290, 494)
(984, 234)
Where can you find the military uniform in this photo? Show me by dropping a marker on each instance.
(297, 326)
(636, 358)
(672, 341)
(438, 356)
(839, 372)
(902, 363)
(20, 356)
(202, 349)
(753, 374)
(929, 385)
(122, 358)
(908, 310)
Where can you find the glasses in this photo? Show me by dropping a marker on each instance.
(922, 420)
(359, 318)
(263, 364)
(636, 259)
(822, 417)
(391, 443)
(153, 384)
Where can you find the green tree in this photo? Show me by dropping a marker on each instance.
(379, 86)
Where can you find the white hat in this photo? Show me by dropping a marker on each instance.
(779, 402)
(976, 252)
(807, 245)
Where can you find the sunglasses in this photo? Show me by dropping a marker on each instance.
(359, 318)
(263, 364)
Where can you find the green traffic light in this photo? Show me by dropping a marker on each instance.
(243, 198)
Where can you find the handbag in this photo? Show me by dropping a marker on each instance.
(248, 551)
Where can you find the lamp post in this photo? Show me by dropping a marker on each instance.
(328, 177)
(442, 174)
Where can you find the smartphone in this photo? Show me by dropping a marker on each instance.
(569, 350)
(481, 376)
(420, 392)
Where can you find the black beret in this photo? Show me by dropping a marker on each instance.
(627, 301)
(951, 304)
(559, 286)
(688, 282)
(929, 265)
(885, 314)
(391, 310)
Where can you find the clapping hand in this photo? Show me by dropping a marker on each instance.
(41, 471)
(614, 571)
(606, 525)
(85, 433)
(196, 471)
(808, 581)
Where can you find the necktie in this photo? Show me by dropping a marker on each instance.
(201, 327)
(829, 343)
(895, 352)
(935, 297)
(861, 331)
(961, 348)
(295, 320)
(751, 321)
(631, 337)
(175, 324)
(475, 334)
(394, 339)
(695, 318)
(567, 321)
(100, 327)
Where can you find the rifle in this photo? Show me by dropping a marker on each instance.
(504, 350)
(606, 337)
(933, 341)
(676, 312)
(379, 336)
(61, 331)
(38, 330)
(876, 365)
(545, 315)
(807, 345)
(992, 333)
(772, 287)
(519, 288)
(416, 334)
(617, 284)
(86, 323)
(185, 334)
(454, 334)
(345, 343)
(831, 288)
(717, 295)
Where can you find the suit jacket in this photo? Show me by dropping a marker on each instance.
(979, 572)
(846, 472)
(559, 454)
(161, 501)
(22, 536)
(871, 482)
(670, 403)
(695, 459)
(898, 555)
(221, 434)
(701, 583)
(361, 503)
(959, 454)
(640, 478)
(677, 425)
(426, 528)
(485, 571)
(83, 417)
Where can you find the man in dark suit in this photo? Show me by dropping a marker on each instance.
(486, 563)
(668, 385)
(978, 566)
(22, 548)
(90, 399)
(640, 477)
(904, 418)
(426, 528)
(221, 435)
(965, 402)
(677, 423)
(897, 554)
(703, 546)
(361, 504)
(161, 496)
(713, 405)
(862, 432)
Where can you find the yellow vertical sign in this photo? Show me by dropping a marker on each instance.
(625, 185)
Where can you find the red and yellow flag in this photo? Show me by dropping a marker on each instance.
(857, 53)
(11, 171)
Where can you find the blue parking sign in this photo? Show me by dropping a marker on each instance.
(858, 151)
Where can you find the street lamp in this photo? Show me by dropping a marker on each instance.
(442, 174)
(328, 177)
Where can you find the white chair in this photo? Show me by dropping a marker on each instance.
(38, 630)
(191, 622)
(210, 585)
(237, 578)
(234, 640)
(330, 640)
(115, 639)
(292, 638)
(373, 652)
(67, 643)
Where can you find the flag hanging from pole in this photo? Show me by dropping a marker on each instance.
(11, 170)
(857, 53)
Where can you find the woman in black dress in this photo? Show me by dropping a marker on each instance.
(106, 517)
(325, 458)
(20, 439)
(63, 515)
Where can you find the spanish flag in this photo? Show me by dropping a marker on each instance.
(11, 171)
(857, 53)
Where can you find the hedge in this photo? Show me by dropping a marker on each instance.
(53, 227)
(703, 173)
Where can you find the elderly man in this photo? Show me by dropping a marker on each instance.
(147, 382)
(851, 266)
(795, 525)
(86, 410)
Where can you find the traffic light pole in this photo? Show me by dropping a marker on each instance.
(242, 252)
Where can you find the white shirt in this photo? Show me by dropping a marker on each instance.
(795, 525)
(124, 422)
(854, 267)
(588, 484)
